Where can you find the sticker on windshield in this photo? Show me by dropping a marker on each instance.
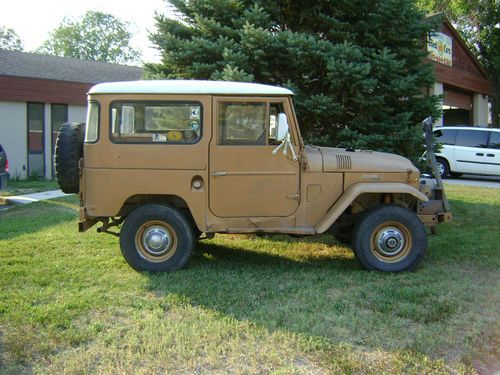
(195, 113)
(157, 137)
(194, 125)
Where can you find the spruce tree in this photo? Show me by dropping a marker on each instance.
(357, 67)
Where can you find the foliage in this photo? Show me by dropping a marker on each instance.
(357, 68)
(9, 40)
(69, 304)
(478, 22)
(96, 36)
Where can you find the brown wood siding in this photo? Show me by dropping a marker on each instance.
(462, 57)
(23, 89)
(457, 99)
(465, 72)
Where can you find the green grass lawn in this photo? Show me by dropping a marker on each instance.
(245, 304)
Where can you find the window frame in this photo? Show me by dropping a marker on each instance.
(29, 110)
(145, 102)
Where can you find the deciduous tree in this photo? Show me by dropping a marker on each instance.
(9, 39)
(96, 36)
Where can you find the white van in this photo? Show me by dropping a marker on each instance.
(468, 150)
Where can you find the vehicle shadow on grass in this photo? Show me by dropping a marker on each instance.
(276, 292)
(309, 289)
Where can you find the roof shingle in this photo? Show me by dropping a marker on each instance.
(32, 65)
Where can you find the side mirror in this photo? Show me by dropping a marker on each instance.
(283, 136)
(282, 127)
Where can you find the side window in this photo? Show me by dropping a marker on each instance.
(472, 138)
(92, 130)
(241, 123)
(495, 140)
(445, 136)
(248, 123)
(155, 122)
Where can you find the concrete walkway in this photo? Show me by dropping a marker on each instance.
(35, 197)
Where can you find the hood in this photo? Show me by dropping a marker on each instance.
(327, 159)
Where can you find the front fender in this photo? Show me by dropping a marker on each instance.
(356, 190)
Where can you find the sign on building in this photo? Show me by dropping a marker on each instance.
(439, 46)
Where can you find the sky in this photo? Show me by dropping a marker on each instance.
(33, 20)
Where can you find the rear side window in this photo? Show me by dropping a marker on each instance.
(472, 138)
(446, 136)
(495, 140)
(156, 122)
(92, 130)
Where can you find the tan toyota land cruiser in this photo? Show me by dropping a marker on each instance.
(169, 161)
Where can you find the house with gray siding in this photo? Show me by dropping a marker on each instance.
(38, 93)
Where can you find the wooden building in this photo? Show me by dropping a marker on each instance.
(460, 78)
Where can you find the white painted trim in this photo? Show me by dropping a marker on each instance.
(187, 87)
(480, 110)
(47, 151)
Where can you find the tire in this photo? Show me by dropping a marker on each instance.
(157, 239)
(69, 150)
(389, 238)
(443, 167)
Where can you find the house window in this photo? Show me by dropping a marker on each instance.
(58, 116)
(36, 145)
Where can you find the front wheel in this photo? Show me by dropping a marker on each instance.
(157, 238)
(443, 167)
(389, 238)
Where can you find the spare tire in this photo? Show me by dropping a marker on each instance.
(69, 150)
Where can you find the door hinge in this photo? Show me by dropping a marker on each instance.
(294, 197)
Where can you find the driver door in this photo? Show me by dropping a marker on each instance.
(246, 179)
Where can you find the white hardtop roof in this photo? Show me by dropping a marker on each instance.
(188, 87)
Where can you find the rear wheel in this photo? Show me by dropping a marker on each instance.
(157, 238)
(389, 238)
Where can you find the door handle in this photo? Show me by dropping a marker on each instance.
(479, 154)
(490, 155)
(218, 174)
